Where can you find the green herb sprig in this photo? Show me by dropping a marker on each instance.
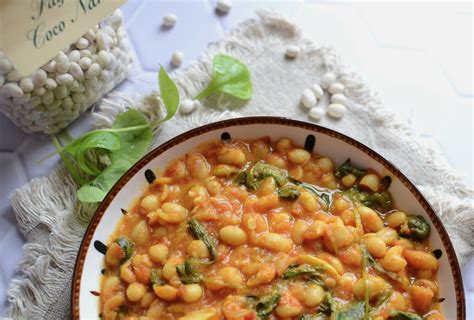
(230, 76)
(97, 159)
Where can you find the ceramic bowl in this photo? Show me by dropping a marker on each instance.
(339, 147)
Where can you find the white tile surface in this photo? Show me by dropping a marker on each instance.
(418, 57)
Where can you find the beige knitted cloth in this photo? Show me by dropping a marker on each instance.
(53, 223)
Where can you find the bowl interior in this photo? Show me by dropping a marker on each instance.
(329, 143)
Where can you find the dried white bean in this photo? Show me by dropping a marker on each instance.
(79, 88)
(177, 58)
(50, 66)
(74, 56)
(186, 106)
(336, 87)
(41, 91)
(224, 6)
(318, 91)
(292, 51)
(76, 71)
(27, 84)
(50, 84)
(91, 83)
(90, 35)
(67, 103)
(39, 78)
(78, 97)
(5, 66)
(85, 63)
(82, 43)
(316, 113)
(93, 71)
(48, 97)
(85, 53)
(103, 58)
(14, 76)
(336, 110)
(61, 92)
(64, 79)
(54, 105)
(169, 20)
(23, 99)
(103, 40)
(327, 80)
(104, 75)
(62, 61)
(13, 90)
(308, 99)
(338, 98)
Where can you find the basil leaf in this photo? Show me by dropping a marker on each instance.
(230, 76)
(169, 94)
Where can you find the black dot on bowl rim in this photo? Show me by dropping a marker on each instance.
(100, 246)
(309, 143)
(95, 293)
(123, 211)
(438, 253)
(441, 300)
(150, 176)
(225, 136)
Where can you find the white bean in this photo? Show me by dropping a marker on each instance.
(336, 88)
(50, 84)
(338, 98)
(103, 41)
(186, 106)
(76, 71)
(62, 61)
(316, 113)
(103, 58)
(336, 110)
(85, 53)
(85, 63)
(61, 92)
(74, 56)
(318, 91)
(13, 90)
(78, 97)
(308, 99)
(292, 51)
(67, 103)
(90, 35)
(39, 78)
(50, 66)
(93, 71)
(82, 43)
(169, 20)
(27, 84)
(5, 66)
(177, 58)
(224, 6)
(14, 76)
(41, 91)
(64, 79)
(327, 80)
(48, 97)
